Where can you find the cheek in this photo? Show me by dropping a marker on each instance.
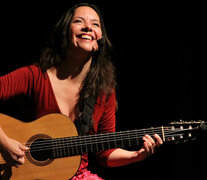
(72, 36)
(99, 34)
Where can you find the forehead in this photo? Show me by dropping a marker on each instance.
(86, 12)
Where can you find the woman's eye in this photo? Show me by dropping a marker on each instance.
(77, 21)
(96, 24)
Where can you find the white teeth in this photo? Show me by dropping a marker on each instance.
(86, 37)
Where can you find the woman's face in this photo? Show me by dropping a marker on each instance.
(85, 29)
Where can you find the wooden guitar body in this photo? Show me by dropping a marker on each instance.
(49, 126)
(55, 147)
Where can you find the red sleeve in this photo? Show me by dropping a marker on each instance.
(107, 124)
(16, 83)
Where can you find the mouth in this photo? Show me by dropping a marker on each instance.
(86, 37)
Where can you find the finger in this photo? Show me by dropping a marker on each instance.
(151, 140)
(158, 140)
(146, 140)
(150, 144)
(19, 154)
(146, 147)
(20, 161)
(23, 148)
(147, 144)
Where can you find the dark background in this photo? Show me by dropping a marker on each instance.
(161, 74)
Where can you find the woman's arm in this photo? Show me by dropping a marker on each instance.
(121, 157)
(17, 83)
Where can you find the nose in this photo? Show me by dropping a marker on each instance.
(87, 28)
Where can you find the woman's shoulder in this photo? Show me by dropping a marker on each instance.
(29, 72)
(35, 68)
(26, 68)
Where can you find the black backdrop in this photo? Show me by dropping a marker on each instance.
(159, 77)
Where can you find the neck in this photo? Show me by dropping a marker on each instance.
(74, 68)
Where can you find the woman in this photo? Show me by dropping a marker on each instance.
(73, 68)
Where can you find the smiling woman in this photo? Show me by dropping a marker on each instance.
(85, 29)
(75, 77)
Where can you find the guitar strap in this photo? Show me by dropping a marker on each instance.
(85, 122)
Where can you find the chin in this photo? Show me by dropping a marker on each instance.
(86, 49)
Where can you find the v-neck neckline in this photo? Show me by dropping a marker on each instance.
(53, 93)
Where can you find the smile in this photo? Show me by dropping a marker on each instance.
(85, 37)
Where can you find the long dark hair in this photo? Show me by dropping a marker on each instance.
(101, 76)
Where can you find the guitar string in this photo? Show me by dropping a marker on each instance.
(97, 137)
(122, 133)
(168, 132)
(81, 143)
(133, 142)
(80, 139)
(133, 139)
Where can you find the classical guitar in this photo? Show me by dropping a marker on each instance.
(55, 147)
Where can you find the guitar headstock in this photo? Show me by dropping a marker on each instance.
(185, 131)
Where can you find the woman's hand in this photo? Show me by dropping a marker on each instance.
(121, 157)
(150, 145)
(12, 151)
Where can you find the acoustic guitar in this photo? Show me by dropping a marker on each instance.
(55, 148)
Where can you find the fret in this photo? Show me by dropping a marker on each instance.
(75, 146)
(80, 145)
(59, 148)
(108, 145)
(85, 142)
(137, 138)
(118, 140)
(122, 141)
(114, 137)
(91, 145)
(153, 132)
(70, 147)
(144, 132)
(96, 142)
(128, 139)
(63, 146)
(53, 149)
(133, 138)
(56, 147)
(100, 143)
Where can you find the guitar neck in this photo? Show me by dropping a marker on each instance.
(93, 143)
(76, 145)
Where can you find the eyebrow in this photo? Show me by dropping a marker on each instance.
(83, 18)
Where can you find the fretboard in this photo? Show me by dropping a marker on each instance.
(70, 146)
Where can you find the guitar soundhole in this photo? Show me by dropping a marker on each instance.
(40, 150)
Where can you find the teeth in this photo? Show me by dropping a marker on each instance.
(86, 37)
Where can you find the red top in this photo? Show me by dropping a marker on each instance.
(30, 84)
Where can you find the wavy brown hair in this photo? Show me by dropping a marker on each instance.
(101, 76)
